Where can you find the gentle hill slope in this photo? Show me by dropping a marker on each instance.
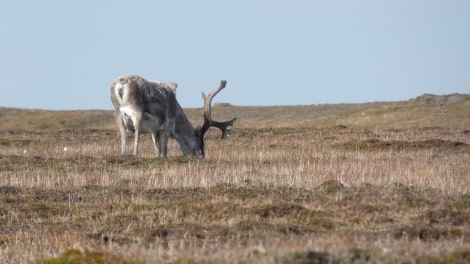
(451, 111)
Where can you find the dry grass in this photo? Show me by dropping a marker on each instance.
(413, 113)
(286, 195)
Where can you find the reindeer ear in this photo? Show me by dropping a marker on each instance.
(173, 86)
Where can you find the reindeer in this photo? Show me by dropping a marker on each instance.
(151, 106)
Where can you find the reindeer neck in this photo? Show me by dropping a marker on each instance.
(185, 133)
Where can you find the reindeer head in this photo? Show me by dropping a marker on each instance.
(208, 122)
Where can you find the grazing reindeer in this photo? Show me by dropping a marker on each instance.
(151, 106)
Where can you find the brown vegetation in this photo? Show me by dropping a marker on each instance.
(310, 194)
(419, 112)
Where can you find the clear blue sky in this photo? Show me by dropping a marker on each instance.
(65, 54)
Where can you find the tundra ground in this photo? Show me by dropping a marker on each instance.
(287, 195)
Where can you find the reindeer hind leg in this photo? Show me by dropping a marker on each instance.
(122, 130)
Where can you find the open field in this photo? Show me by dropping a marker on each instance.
(289, 185)
(413, 113)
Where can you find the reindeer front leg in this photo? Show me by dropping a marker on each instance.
(156, 142)
(136, 141)
(164, 136)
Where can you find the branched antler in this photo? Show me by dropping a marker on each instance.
(208, 122)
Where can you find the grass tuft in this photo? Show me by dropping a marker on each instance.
(76, 256)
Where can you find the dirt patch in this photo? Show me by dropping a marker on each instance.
(308, 257)
(447, 217)
(280, 210)
(380, 145)
(330, 187)
(430, 233)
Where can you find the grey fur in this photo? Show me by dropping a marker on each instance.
(151, 106)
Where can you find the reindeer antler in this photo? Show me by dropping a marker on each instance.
(208, 122)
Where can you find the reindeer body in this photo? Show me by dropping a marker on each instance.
(144, 106)
(151, 106)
